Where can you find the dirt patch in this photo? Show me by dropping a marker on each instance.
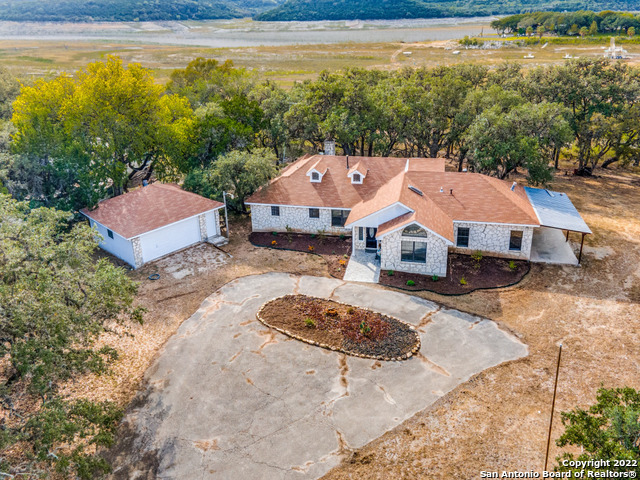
(489, 272)
(333, 249)
(336, 326)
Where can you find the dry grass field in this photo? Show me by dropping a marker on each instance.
(283, 64)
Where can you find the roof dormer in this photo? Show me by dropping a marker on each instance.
(357, 174)
(317, 171)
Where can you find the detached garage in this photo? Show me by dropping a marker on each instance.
(154, 221)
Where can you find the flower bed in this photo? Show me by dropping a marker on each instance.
(464, 275)
(334, 249)
(336, 326)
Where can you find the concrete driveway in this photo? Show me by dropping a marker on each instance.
(229, 398)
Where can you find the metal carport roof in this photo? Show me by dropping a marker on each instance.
(555, 210)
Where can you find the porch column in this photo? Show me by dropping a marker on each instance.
(581, 245)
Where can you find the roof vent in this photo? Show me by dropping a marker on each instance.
(513, 186)
(464, 170)
(347, 162)
(415, 190)
(451, 191)
(441, 189)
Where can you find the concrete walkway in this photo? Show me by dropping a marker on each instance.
(228, 398)
(549, 245)
(362, 267)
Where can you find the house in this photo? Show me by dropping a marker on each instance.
(412, 213)
(153, 221)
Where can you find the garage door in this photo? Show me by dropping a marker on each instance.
(170, 239)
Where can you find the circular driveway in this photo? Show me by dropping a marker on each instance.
(228, 398)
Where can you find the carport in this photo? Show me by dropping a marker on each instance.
(555, 213)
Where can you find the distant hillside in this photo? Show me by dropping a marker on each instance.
(129, 10)
(399, 9)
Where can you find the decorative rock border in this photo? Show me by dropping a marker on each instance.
(406, 356)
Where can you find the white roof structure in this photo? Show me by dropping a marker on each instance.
(555, 210)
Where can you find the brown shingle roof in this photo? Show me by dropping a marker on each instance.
(149, 208)
(293, 187)
(476, 198)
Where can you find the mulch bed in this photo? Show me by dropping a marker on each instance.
(334, 249)
(490, 272)
(333, 325)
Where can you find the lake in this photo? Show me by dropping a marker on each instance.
(247, 33)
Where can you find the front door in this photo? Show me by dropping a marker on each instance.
(371, 243)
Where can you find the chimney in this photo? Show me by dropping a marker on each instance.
(329, 147)
(347, 162)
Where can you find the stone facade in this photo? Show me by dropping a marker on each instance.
(296, 218)
(137, 252)
(202, 221)
(357, 243)
(437, 252)
(494, 239)
(216, 222)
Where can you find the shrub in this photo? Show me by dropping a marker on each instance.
(289, 232)
(463, 281)
(363, 326)
(313, 235)
(410, 283)
(342, 236)
(275, 234)
(435, 278)
(310, 322)
(311, 249)
(351, 310)
(331, 312)
(342, 262)
(512, 265)
(477, 258)
(273, 242)
(390, 273)
(345, 256)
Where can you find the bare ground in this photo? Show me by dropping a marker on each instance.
(499, 419)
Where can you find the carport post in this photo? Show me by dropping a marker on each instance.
(567, 236)
(581, 245)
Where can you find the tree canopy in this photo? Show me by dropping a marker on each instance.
(92, 132)
(55, 300)
(607, 430)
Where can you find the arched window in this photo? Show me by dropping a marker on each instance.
(414, 230)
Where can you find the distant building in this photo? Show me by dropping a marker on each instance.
(615, 53)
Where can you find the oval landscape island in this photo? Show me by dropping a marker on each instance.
(352, 330)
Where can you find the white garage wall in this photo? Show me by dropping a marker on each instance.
(168, 239)
(117, 246)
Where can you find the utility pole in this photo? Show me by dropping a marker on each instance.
(553, 405)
